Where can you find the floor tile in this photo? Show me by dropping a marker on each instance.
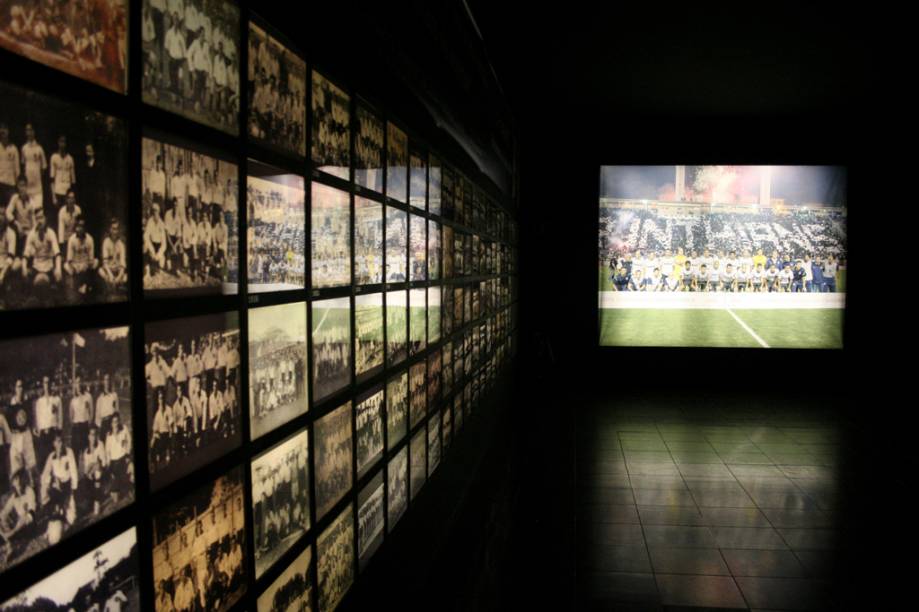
(772, 563)
(616, 559)
(702, 561)
(812, 539)
(663, 497)
(610, 534)
(764, 538)
(784, 593)
(670, 515)
(734, 517)
(715, 591)
(608, 513)
(679, 536)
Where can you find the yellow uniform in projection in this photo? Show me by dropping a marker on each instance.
(679, 261)
(759, 260)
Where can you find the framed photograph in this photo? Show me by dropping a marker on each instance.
(64, 192)
(61, 35)
(396, 163)
(446, 308)
(417, 248)
(368, 241)
(191, 60)
(447, 190)
(434, 314)
(278, 381)
(276, 232)
(433, 443)
(293, 589)
(66, 458)
(396, 245)
(331, 135)
(368, 414)
(446, 419)
(332, 437)
(277, 93)
(370, 518)
(193, 386)
(434, 185)
(458, 254)
(280, 499)
(368, 335)
(396, 409)
(105, 578)
(447, 368)
(396, 326)
(417, 461)
(335, 551)
(458, 411)
(331, 236)
(368, 150)
(447, 250)
(458, 359)
(199, 543)
(397, 487)
(416, 382)
(331, 346)
(433, 378)
(418, 321)
(418, 181)
(434, 250)
(190, 214)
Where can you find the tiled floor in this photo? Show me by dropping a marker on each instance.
(730, 506)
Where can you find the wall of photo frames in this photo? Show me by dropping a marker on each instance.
(243, 312)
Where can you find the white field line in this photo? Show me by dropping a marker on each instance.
(762, 342)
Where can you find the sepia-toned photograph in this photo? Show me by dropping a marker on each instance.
(434, 368)
(417, 462)
(416, 393)
(446, 431)
(103, 579)
(331, 135)
(396, 163)
(277, 93)
(193, 386)
(434, 185)
(433, 443)
(292, 591)
(458, 253)
(368, 335)
(66, 458)
(280, 499)
(63, 202)
(276, 232)
(190, 214)
(396, 245)
(331, 346)
(368, 150)
(396, 409)
(370, 518)
(447, 368)
(458, 411)
(332, 438)
(458, 360)
(448, 188)
(277, 366)
(418, 181)
(368, 416)
(368, 241)
(397, 487)
(331, 236)
(446, 309)
(199, 548)
(447, 251)
(417, 321)
(434, 313)
(89, 42)
(335, 553)
(396, 326)
(191, 60)
(434, 250)
(417, 248)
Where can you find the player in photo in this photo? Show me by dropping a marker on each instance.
(742, 278)
(785, 278)
(758, 278)
(687, 277)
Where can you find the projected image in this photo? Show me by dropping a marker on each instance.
(722, 256)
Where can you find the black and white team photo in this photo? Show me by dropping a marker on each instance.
(63, 203)
(396, 409)
(396, 326)
(193, 382)
(335, 552)
(417, 395)
(190, 214)
(368, 418)
(331, 127)
(293, 589)
(331, 346)
(332, 456)
(191, 59)
(396, 163)
(397, 486)
(278, 384)
(66, 458)
(280, 499)
(368, 335)
(368, 150)
(370, 518)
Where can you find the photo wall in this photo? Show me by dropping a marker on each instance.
(245, 313)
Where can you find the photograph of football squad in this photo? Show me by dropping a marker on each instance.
(332, 436)
(722, 256)
(368, 150)
(331, 129)
(335, 552)
(276, 230)
(63, 203)
(66, 455)
(293, 589)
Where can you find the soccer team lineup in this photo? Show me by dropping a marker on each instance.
(722, 256)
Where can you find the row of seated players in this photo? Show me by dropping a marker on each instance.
(737, 274)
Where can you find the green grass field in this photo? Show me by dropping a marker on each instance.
(804, 328)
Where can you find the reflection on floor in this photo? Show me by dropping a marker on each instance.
(681, 506)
